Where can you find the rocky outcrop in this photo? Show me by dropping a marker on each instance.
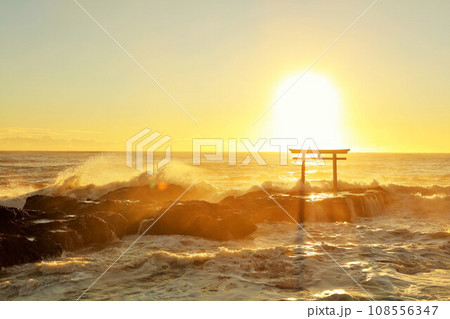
(33, 235)
(201, 219)
(52, 204)
(116, 222)
(341, 207)
(92, 229)
(122, 216)
(18, 249)
(50, 224)
(145, 193)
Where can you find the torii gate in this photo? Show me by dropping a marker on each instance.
(319, 153)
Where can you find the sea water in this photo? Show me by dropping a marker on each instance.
(400, 252)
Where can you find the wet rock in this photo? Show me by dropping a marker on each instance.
(12, 219)
(8, 214)
(260, 208)
(145, 193)
(69, 239)
(32, 235)
(338, 297)
(93, 230)
(122, 217)
(116, 222)
(133, 212)
(18, 249)
(201, 219)
(51, 204)
(237, 226)
(340, 207)
(57, 222)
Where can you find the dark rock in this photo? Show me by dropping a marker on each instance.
(201, 219)
(93, 230)
(145, 193)
(8, 214)
(17, 249)
(261, 208)
(238, 226)
(49, 224)
(134, 212)
(11, 219)
(51, 204)
(115, 221)
(338, 297)
(32, 235)
(69, 239)
(343, 206)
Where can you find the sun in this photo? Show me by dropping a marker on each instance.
(307, 108)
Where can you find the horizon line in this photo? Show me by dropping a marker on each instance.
(238, 152)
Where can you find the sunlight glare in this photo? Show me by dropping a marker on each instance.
(308, 109)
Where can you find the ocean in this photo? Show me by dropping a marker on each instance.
(399, 249)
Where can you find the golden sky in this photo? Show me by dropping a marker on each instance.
(65, 85)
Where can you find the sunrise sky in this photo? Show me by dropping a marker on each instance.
(65, 85)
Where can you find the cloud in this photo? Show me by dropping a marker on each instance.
(45, 139)
(34, 132)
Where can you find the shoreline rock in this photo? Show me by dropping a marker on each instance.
(50, 224)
